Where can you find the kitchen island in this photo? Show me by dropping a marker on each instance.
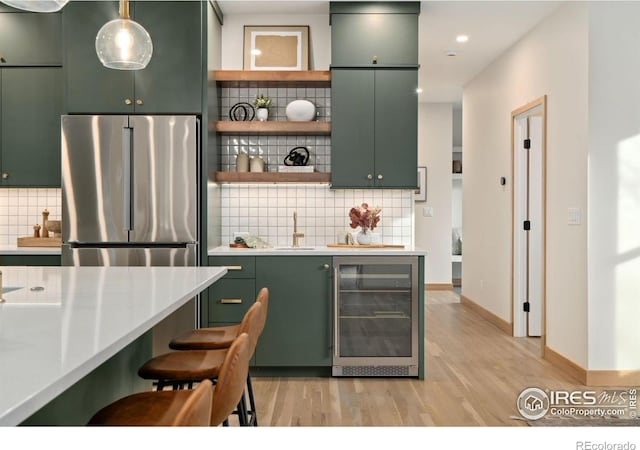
(60, 324)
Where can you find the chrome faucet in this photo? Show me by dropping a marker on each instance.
(296, 235)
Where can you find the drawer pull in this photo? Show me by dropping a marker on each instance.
(230, 301)
(233, 267)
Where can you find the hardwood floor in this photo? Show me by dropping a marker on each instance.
(475, 373)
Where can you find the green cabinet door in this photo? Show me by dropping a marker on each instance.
(30, 39)
(298, 328)
(374, 137)
(171, 83)
(396, 128)
(352, 128)
(31, 104)
(360, 38)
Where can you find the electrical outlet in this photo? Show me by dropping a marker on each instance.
(427, 211)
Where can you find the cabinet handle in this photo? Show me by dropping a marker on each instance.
(2, 59)
(326, 266)
(369, 177)
(230, 301)
(233, 267)
(380, 176)
(5, 175)
(375, 60)
(127, 101)
(139, 102)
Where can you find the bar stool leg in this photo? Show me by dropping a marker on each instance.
(253, 416)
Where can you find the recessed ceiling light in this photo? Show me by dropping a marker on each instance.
(462, 38)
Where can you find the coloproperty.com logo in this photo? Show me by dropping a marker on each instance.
(535, 403)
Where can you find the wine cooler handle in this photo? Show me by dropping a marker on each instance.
(335, 311)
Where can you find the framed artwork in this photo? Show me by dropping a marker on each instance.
(421, 192)
(274, 47)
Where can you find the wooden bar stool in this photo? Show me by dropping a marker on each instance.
(202, 406)
(221, 337)
(183, 368)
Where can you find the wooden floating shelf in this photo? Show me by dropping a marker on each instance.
(270, 78)
(267, 127)
(272, 177)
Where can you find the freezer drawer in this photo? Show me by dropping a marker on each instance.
(139, 256)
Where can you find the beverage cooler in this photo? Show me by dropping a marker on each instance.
(375, 316)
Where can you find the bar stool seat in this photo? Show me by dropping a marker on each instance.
(183, 367)
(206, 338)
(166, 408)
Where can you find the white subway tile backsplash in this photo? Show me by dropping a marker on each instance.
(21, 209)
(322, 213)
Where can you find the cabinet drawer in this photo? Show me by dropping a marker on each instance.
(237, 266)
(230, 299)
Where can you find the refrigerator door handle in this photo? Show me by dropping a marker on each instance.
(127, 141)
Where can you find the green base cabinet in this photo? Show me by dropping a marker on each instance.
(298, 329)
(374, 137)
(171, 83)
(30, 108)
(30, 260)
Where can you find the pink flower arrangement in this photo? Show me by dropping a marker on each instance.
(364, 217)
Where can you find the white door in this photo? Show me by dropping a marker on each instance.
(528, 223)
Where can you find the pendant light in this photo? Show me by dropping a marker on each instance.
(124, 44)
(42, 6)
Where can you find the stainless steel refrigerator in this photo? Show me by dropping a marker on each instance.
(130, 196)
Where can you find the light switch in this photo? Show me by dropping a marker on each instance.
(574, 216)
(427, 211)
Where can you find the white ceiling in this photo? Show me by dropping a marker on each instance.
(492, 27)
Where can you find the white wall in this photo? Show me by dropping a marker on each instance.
(434, 151)
(614, 186)
(319, 36)
(553, 60)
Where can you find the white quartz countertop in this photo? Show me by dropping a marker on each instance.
(316, 251)
(7, 249)
(52, 337)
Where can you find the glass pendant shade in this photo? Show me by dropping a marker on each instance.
(43, 6)
(124, 44)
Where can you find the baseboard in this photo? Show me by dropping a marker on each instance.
(565, 364)
(438, 287)
(622, 378)
(457, 282)
(488, 315)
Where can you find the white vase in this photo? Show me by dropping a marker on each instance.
(262, 114)
(364, 237)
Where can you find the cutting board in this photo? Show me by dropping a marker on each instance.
(30, 241)
(366, 246)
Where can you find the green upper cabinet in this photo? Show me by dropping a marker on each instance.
(383, 33)
(30, 109)
(298, 328)
(171, 83)
(30, 39)
(374, 135)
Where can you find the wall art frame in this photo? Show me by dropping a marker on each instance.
(421, 192)
(276, 47)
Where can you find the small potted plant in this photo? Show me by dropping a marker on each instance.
(262, 105)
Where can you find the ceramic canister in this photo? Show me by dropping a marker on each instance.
(242, 162)
(256, 164)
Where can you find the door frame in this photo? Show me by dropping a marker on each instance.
(540, 102)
